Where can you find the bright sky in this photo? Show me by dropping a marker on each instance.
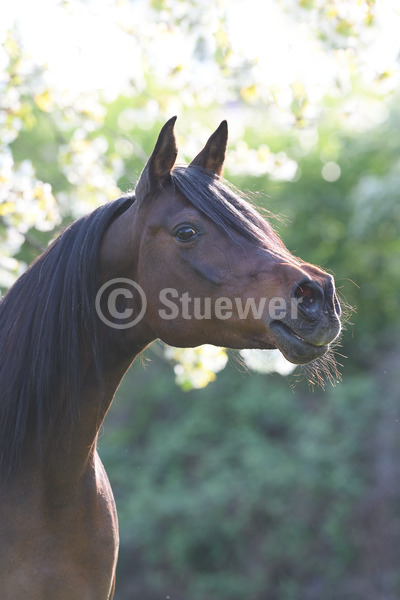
(82, 50)
(85, 48)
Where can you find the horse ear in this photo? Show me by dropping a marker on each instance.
(160, 163)
(212, 157)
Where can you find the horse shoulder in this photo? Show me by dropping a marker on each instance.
(61, 543)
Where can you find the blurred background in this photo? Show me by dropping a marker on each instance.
(232, 479)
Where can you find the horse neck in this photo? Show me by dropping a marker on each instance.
(72, 455)
(119, 349)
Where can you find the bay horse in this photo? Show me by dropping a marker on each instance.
(64, 349)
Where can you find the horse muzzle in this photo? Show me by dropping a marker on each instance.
(307, 332)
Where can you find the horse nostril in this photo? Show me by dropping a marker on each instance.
(309, 296)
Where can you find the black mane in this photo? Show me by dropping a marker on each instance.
(44, 319)
(226, 207)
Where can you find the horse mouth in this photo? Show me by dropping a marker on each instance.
(294, 347)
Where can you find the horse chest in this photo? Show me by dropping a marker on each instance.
(59, 549)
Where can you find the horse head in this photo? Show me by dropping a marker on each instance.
(211, 268)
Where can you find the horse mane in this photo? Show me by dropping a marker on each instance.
(44, 319)
(227, 207)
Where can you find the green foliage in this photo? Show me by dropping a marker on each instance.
(240, 489)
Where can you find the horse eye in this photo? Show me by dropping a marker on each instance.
(185, 233)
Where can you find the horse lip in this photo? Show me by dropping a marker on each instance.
(294, 347)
